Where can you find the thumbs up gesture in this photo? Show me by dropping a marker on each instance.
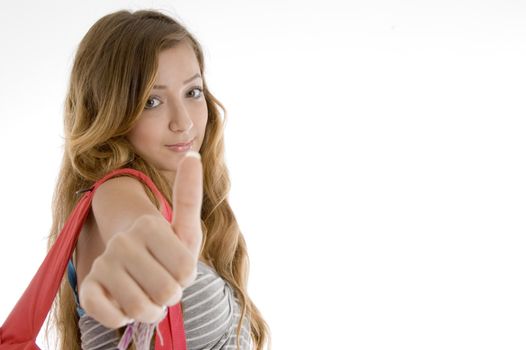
(187, 201)
(148, 265)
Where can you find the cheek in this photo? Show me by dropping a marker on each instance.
(203, 120)
(201, 126)
(141, 136)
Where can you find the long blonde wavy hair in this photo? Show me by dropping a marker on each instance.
(113, 72)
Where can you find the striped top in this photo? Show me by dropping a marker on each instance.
(211, 313)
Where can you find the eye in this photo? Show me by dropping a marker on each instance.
(200, 94)
(149, 104)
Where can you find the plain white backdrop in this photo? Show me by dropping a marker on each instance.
(376, 151)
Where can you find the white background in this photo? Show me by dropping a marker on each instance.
(376, 151)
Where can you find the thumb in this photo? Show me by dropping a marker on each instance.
(187, 201)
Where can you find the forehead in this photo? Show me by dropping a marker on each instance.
(177, 63)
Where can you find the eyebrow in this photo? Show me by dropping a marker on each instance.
(197, 75)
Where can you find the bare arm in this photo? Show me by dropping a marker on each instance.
(116, 205)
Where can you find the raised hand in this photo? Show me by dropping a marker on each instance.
(147, 266)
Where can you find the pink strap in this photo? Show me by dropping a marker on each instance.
(166, 209)
(23, 324)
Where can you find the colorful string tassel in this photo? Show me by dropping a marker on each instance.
(141, 334)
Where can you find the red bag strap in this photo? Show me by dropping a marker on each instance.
(23, 324)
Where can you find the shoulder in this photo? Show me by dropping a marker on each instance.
(118, 187)
(209, 308)
(118, 202)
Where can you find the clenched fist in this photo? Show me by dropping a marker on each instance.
(147, 266)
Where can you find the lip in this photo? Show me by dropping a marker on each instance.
(182, 144)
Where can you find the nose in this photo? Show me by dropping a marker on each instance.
(180, 120)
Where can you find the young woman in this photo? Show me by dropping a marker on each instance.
(138, 99)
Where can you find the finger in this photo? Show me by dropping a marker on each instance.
(171, 253)
(98, 304)
(132, 299)
(155, 280)
(187, 200)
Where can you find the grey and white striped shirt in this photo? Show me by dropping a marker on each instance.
(211, 314)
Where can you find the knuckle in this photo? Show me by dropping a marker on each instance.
(122, 247)
(145, 226)
(116, 244)
(146, 223)
(146, 220)
(117, 239)
(193, 239)
(98, 267)
(87, 299)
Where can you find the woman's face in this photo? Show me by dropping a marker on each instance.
(175, 112)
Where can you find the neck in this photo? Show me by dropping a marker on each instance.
(169, 176)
